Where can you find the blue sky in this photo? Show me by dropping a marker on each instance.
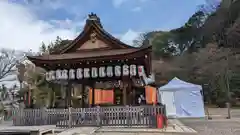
(43, 20)
(120, 15)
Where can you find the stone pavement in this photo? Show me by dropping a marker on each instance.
(26, 129)
(175, 126)
(79, 131)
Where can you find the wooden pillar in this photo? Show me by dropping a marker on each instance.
(129, 92)
(68, 94)
(29, 98)
(93, 95)
(53, 96)
(134, 96)
(83, 96)
(124, 93)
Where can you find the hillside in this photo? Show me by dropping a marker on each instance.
(202, 52)
(221, 27)
(224, 24)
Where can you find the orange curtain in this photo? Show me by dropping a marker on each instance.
(101, 96)
(108, 96)
(97, 96)
(151, 94)
(90, 96)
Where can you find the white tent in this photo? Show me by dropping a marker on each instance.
(182, 99)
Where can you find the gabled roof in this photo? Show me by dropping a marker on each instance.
(92, 55)
(93, 25)
(94, 43)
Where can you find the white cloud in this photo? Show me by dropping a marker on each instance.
(67, 23)
(118, 3)
(20, 29)
(136, 9)
(129, 36)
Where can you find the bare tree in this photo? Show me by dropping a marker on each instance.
(141, 40)
(8, 62)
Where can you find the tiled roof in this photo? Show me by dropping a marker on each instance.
(87, 54)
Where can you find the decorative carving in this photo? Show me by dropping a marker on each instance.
(88, 45)
(93, 37)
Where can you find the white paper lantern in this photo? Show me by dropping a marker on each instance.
(141, 71)
(48, 78)
(71, 74)
(65, 74)
(86, 73)
(117, 70)
(94, 72)
(102, 72)
(109, 71)
(133, 70)
(79, 73)
(52, 75)
(59, 74)
(125, 70)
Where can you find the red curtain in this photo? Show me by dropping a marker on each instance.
(151, 94)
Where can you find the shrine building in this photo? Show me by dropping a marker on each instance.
(95, 61)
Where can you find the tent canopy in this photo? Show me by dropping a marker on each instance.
(177, 84)
(182, 99)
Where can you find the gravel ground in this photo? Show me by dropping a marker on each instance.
(222, 112)
(214, 127)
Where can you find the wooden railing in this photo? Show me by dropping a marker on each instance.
(140, 116)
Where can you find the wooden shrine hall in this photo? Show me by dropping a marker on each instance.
(95, 61)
